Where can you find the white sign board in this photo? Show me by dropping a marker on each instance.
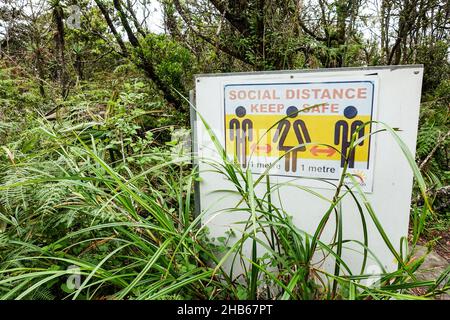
(297, 127)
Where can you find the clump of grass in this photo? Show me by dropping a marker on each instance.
(134, 235)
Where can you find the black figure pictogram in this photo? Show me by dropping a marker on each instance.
(301, 133)
(241, 132)
(343, 132)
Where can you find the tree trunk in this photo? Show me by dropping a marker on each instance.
(58, 20)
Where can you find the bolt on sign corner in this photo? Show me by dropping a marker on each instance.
(303, 129)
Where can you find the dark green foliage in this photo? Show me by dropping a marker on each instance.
(433, 142)
(434, 57)
(174, 64)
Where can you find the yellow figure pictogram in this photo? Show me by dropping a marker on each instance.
(241, 132)
(301, 134)
(343, 133)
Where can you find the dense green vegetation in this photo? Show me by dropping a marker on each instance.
(91, 178)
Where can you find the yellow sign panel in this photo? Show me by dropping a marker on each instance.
(301, 129)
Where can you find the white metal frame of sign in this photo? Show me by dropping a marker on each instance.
(318, 111)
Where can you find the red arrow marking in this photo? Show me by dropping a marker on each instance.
(263, 148)
(267, 148)
(328, 150)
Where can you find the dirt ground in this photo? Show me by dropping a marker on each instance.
(436, 262)
(441, 245)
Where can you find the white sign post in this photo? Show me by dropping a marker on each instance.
(297, 127)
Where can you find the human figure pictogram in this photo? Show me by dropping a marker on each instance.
(343, 132)
(241, 131)
(301, 133)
